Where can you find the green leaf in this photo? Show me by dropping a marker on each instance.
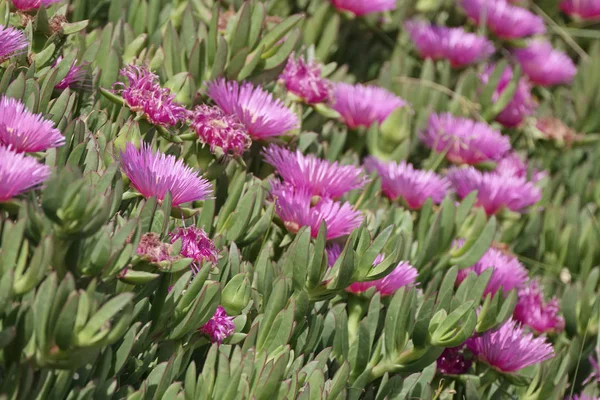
(99, 320)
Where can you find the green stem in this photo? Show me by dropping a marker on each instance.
(356, 310)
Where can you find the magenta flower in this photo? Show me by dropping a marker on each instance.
(545, 66)
(262, 114)
(453, 361)
(195, 244)
(512, 164)
(413, 185)
(13, 42)
(509, 348)
(305, 81)
(19, 173)
(403, 275)
(503, 19)
(533, 311)
(454, 44)
(595, 374)
(155, 174)
(465, 141)
(582, 397)
(26, 5)
(318, 177)
(362, 105)
(495, 190)
(217, 129)
(75, 75)
(219, 327)
(333, 250)
(295, 210)
(24, 131)
(362, 7)
(144, 94)
(581, 9)
(152, 249)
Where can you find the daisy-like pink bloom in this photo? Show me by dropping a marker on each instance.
(403, 275)
(453, 361)
(26, 5)
(195, 244)
(262, 114)
(512, 164)
(508, 272)
(75, 75)
(533, 311)
(545, 66)
(521, 105)
(219, 327)
(454, 44)
(305, 81)
(465, 141)
(495, 190)
(217, 129)
(152, 249)
(361, 105)
(24, 131)
(144, 94)
(318, 177)
(155, 174)
(13, 42)
(510, 348)
(362, 7)
(581, 9)
(413, 185)
(19, 173)
(295, 210)
(505, 20)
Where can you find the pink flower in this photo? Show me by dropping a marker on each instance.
(262, 114)
(362, 7)
(454, 44)
(509, 348)
(413, 185)
(545, 66)
(318, 177)
(75, 75)
(24, 131)
(595, 374)
(195, 244)
(305, 81)
(19, 173)
(533, 311)
(465, 141)
(512, 164)
(333, 250)
(155, 174)
(582, 9)
(26, 5)
(453, 361)
(219, 327)
(13, 42)
(403, 275)
(217, 129)
(363, 105)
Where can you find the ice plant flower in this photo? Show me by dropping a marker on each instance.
(155, 174)
(520, 106)
(152, 249)
(595, 374)
(581, 9)
(465, 141)
(453, 361)
(413, 185)
(26, 5)
(294, 208)
(304, 79)
(13, 42)
(219, 327)
(454, 44)
(318, 177)
(545, 66)
(262, 114)
(333, 250)
(512, 164)
(75, 75)
(533, 311)
(217, 129)
(19, 173)
(403, 275)
(495, 190)
(195, 244)
(361, 105)
(24, 131)
(582, 397)
(144, 94)
(510, 348)
(362, 7)
(505, 20)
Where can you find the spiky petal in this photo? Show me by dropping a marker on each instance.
(413, 185)
(495, 190)
(24, 131)
(465, 141)
(75, 75)
(513, 164)
(588, 10)
(262, 114)
(361, 105)
(454, 44)
(533, 311)
(318, 177)
(12, 41)
(333, 250)
(453, 361)
(144, 94)
(545, 66)
(362, 7)
(403, 275)
(195, 244)
(305, 81)
(26, 5)
(219, 327)
(19, 173)
(510, 348)
(217, 129)
(155, 174)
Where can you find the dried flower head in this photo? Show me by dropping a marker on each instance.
(533, 311)
(26, 5)
(545, 66)
(556, 130)
(453, 361)
(13, 42)
(195, 244)
(305, 81)
(588, 10)
(155, 174)
(403, 275)
(152, 249)
(219, 327)
(217, 129)
(19, 173)
(362, 7)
